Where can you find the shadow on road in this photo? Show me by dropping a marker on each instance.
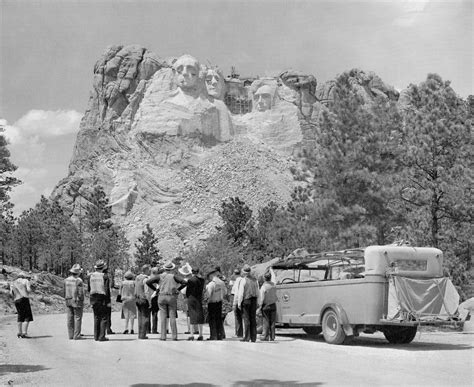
(382, 343)
(174, 385)
(39, 337)
(20, 368)
(272, 383)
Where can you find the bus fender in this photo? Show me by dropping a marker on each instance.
(341, 314)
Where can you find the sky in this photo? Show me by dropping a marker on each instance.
(48, 50)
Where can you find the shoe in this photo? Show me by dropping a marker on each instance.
(104, 339)
(245, 340)
(111, 333)
(19, 335)
(190, 338)
(187, 333)
(162, 339)
(80, 338)
(176, 339)
(132, 332)
(25, 336)
(210, 339)
(143, 338)
(196, 333)
(154, 332)
(125, 332)
(200, 338)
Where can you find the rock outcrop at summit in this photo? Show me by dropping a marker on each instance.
(159, 137)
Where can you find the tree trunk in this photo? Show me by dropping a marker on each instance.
(434, 220)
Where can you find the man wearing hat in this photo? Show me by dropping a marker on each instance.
(237, 312)
(216, 291)
(99, 290)
(167, 298)
(143, 299)
(267, 305)
(74, 296)
(247, 300)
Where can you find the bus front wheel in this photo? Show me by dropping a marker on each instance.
(332, 328)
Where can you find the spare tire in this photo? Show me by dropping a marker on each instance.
(400, 335)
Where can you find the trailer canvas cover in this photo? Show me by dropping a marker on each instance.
(422, 298)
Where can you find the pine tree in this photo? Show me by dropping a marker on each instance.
(7, 181)
(147, 251)
(436, 185)
(353, 167)
(237, 218)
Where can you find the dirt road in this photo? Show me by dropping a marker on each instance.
(48, 358)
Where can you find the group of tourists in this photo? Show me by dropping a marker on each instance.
(152, 296)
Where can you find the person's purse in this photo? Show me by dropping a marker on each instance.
(119, 298)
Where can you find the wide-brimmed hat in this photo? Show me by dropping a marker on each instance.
(186, 269)
(168, 266)
(128, 275)
(75, 269)
(246, 269)
(100, 265)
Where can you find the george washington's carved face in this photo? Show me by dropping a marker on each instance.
(187, 69)
(263, 98)
(215, 84)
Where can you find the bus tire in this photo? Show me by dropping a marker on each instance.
(332, 328)
(312, 331)
(400, 335)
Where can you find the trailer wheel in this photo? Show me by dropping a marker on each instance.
(332, 328)
(400, 335)
(312, 331)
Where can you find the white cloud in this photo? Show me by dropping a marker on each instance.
(42, 124)
(41, 144)
(411, 10)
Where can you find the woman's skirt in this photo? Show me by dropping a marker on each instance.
(24, 310)
(129, 308)
(195, 311)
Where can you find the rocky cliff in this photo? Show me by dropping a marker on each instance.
(168, 151)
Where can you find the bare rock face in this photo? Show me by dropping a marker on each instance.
(158, 136)
(166, 152)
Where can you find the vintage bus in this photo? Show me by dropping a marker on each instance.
(392, 289)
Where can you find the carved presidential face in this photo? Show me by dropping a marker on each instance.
(263, 98)
(187, 69)
(215, 84)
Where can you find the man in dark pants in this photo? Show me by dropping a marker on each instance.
(267, 305)
(109, 313)
(216, 292)
(247, 299)
(155, 272)
(237, 312)
(99, 289)
(143, 303)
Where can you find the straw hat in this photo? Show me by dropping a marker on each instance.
(100, 265)
(169, 266)
(75, 269)
(186, 269)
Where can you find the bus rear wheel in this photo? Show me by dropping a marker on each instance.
(400, 335)
(332, 328)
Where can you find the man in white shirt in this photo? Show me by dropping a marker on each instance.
(247, 300)
(237, 311)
